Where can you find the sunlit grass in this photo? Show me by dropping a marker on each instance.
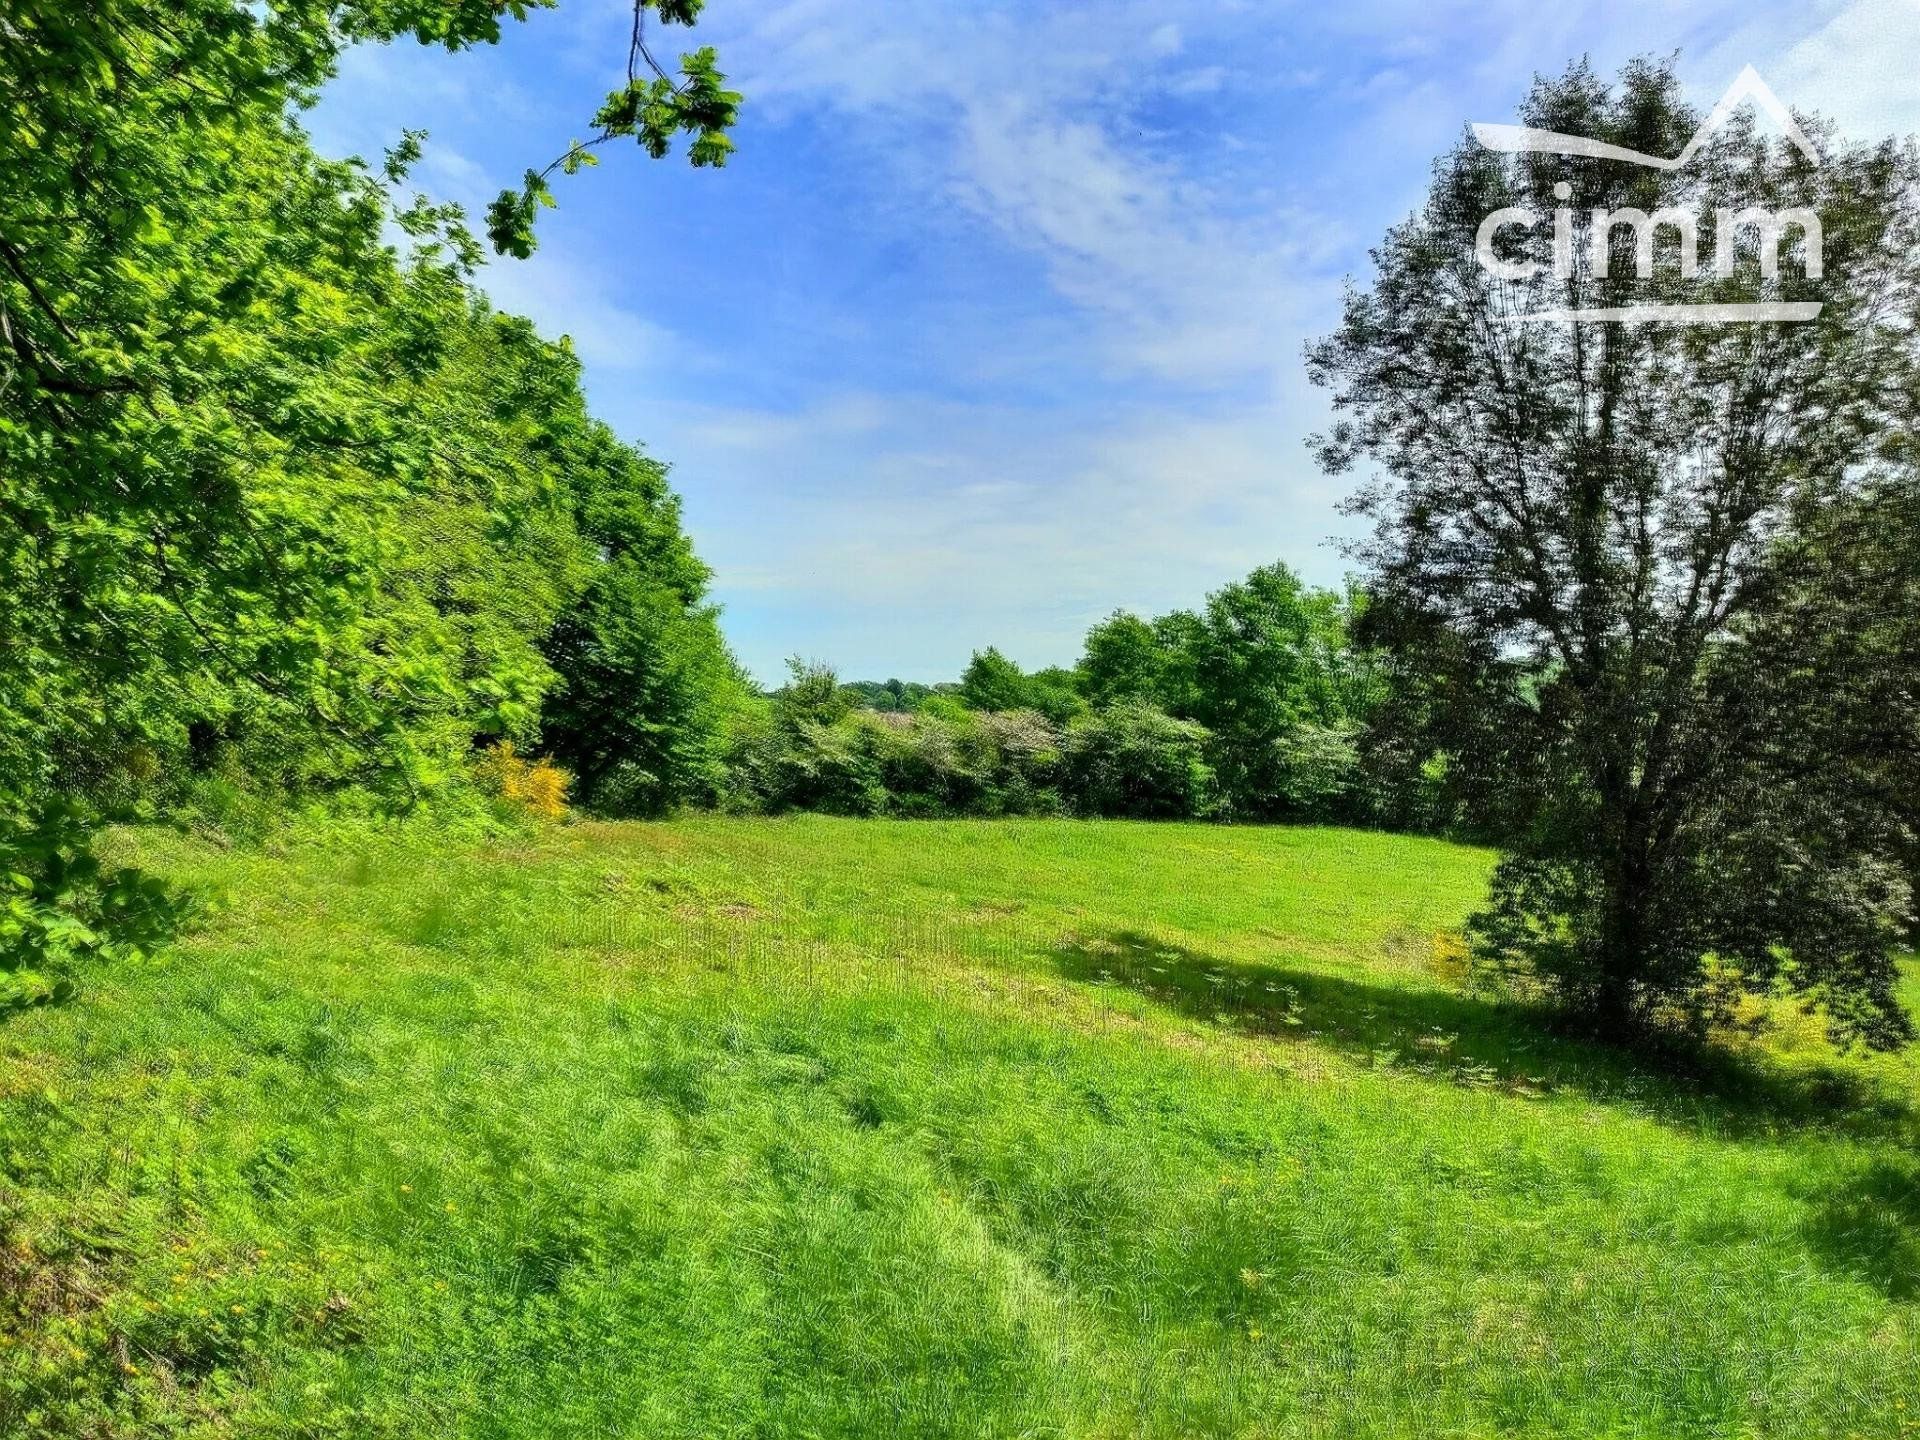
(805, 1127)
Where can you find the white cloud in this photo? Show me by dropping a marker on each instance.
(960, 524)
(1857, 69)
(1030, 125)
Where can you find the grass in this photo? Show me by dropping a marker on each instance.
(822, 1128)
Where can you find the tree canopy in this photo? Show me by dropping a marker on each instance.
(282, 499)
(1585, 548)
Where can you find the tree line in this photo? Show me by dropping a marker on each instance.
(287, 510)
(1257, 707)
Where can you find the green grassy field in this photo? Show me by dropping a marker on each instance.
(821, 1128)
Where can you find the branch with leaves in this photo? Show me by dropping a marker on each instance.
(653, 107)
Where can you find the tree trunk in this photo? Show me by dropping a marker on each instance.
(1622, 952)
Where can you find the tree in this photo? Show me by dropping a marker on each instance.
(1124, 659)
(653, 108)
(1582, 528)
(1275, 682)
(812, 695)
(216, 474)
(645, 690)
(993, 682)
(1054, 691)
(1136, 762)
(208, 346)
(1837, 663)
(646, 685)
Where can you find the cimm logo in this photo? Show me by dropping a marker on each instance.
(1769, 226)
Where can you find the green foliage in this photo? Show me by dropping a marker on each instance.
(944, 759)
(992, 682)
(62, 908)
(1268, 681)
(1278, 683)
(1126, 659)
(646, 689)
(646, 684)
(286, 510)
(1055, 692)
(811, 696)
(1606, 567)
(1271, 669)
(1140, 763)
(652, 108)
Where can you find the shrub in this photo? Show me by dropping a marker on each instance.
(1316, 766)
(941, 760)
(61, 907)
(533, 787)
(1139, 762)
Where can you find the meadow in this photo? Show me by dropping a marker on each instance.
(812, 1127)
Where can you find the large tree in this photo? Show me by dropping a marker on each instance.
(1584, 540)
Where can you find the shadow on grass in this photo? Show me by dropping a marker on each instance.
(1869, 1227)
(18, 1001)
(1488, 1044)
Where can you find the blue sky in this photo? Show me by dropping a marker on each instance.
(994, 323)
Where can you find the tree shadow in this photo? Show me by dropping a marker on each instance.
(19, 999)
(1869, 1227)
(1489, 1044)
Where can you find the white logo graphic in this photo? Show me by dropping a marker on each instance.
(1769, 227)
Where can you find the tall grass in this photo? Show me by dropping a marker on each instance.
(819, 1128)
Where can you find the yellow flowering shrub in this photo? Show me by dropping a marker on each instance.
(537, 786)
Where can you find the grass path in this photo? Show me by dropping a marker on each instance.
(821, 1128)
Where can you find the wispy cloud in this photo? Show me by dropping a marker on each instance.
(1858, 69)
(1040, 124)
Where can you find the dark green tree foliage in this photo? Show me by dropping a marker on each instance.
(645, 681)
(1054, 691)
(812, 696)
(1126, 659)
(1278, 684)
(1824, 689)
(1585, 543)
(992, 682)
(645, 685)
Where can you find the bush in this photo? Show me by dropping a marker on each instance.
(1317, 766)
(941, 760)
(62, 907)
(1138, 762)
(529, 787)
